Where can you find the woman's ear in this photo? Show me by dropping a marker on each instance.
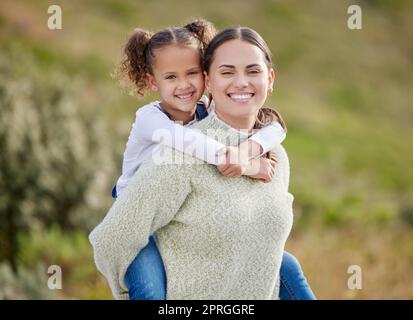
(206, 80)
(271, 77)
(150, 80)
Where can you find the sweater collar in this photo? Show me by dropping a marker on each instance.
(219, 130)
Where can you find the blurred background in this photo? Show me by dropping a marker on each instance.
(346, 96)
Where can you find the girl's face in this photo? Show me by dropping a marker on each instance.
(239, 80)
(177, 75)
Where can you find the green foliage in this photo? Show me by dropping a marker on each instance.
(406, 213)
(55, 159)
(25, 284)
(53, 246)
(71, 251)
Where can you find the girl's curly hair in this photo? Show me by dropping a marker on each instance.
(139, 53)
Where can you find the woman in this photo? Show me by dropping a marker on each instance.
(219, 238)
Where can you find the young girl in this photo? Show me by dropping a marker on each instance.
(170, 62)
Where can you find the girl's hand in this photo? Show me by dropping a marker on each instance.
(234, 165)
(238, 163)
(262, 169)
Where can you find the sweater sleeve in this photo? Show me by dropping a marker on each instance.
(287, 173)
(269, 136)
(285, 167)
(151, 201)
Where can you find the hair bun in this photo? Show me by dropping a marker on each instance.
(203, 30)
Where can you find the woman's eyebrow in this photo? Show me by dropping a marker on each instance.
(226, 66)
(253, 65)
(233, 67)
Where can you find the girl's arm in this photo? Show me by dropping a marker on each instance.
(267, 138)
(145, 206)
(156, 127)
(152, 126)
(246, 158)
(261, 142)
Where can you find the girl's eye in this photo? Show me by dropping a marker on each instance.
(170, 77)
(193, 73)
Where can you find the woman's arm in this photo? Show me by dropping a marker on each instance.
(151, 200)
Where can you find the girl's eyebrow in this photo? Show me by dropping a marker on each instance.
(173, 72)
(193, 69)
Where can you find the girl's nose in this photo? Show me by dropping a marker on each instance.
(183, 84)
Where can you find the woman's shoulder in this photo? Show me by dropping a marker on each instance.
(283, 164)
(280, 151)
(282, 159)
(159, 170)
(165, 160)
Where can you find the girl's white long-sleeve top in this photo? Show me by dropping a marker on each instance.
(152, 127)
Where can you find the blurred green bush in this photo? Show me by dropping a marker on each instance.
(27, 283)
(56, 160)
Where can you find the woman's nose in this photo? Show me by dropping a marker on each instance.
(241, 81)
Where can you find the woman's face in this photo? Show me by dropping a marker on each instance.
(239, 81)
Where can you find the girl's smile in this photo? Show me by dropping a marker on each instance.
(178, 77)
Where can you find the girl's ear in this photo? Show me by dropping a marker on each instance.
(271, 77)
(206, 78)
(150, 80)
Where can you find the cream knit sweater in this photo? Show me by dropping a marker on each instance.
(219, 238)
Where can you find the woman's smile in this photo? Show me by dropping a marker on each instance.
(241, 97)
(239, 80)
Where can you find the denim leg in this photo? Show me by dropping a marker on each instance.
(293, 284)
(145, 277)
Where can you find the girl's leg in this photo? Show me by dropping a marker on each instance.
(145, 277)
(293, 284)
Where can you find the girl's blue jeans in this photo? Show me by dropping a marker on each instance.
(146, 278)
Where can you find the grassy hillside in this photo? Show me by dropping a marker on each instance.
(345, 95)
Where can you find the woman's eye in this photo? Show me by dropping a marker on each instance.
(226, 73)
(254, 71)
